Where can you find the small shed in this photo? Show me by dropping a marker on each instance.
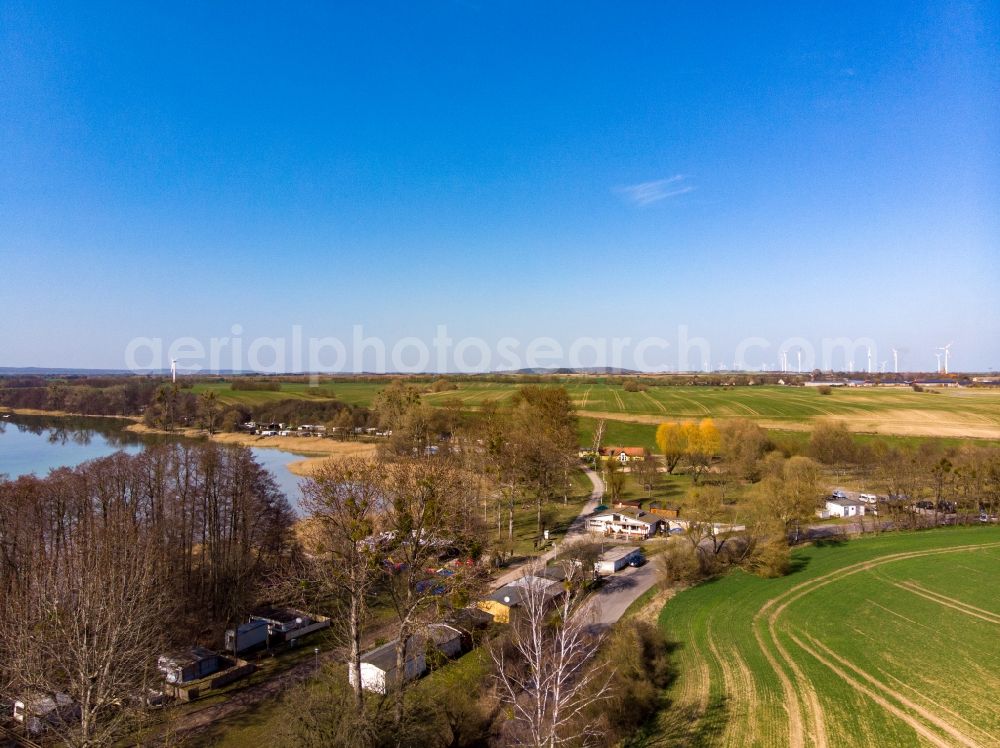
(616, 559)
(446, 639)
(378, 666)
(670, 512)
(845, 508)
(288, 624)
(246, 636)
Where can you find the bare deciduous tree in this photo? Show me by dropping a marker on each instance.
(424, 520)
(89, 626)
(546, 674)
(344, 500)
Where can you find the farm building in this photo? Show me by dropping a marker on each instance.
(624, 455)
(378, 667)
(616, 559)
(38, 712)
(629, 523)
(188, 665)
(845, 508)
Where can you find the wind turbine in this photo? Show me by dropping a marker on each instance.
(869, 359)
(173, 370)
(938, 355)
(883, 366)
(947, 352)
(850, 366)
(799, 354)
(895, 361)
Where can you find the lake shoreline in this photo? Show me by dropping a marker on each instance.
(314, 450)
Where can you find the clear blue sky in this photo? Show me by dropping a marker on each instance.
(505, 169)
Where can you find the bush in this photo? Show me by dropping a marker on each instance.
(826, 390)
(681, 564)
(442, 385)
(772, 559)
(638, 656)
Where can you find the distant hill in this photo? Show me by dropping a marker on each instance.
(63, 372)
(570, 370)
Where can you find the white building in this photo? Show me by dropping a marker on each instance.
(845, 508)
(633, 524)
(617, 558)
(378, 667)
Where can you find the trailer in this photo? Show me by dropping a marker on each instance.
(188, 665)
(289, 624)
(246, 636)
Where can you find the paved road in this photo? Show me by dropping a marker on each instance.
(577, 527)
(618, 591)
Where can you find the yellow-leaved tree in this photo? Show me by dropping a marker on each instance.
(671, 438)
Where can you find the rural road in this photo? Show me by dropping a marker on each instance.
(619, 590)
(576, 528)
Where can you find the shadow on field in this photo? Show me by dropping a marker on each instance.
(686, 726)
(673, 726)
(830, 541)
(796, 565)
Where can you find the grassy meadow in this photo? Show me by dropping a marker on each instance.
(888, 640)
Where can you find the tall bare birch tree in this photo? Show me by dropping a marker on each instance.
(546, 672)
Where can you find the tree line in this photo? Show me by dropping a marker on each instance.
(104, 564)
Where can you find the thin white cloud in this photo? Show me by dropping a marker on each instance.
(647, 193)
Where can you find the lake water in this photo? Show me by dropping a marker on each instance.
(38, 444)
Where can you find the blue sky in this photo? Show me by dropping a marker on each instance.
(504, 169)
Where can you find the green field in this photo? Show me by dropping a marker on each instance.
(882, 641)
(632, 416)
(887, 410)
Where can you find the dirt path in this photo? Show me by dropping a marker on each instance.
(577, 528)
(656, 403)
(936, 597)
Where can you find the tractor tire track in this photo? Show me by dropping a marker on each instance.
(740, 687)
(796, 728)
(949, 602)
(950, 730)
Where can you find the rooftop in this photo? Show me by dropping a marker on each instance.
(845, 502)
(185, 657)
(621, 551)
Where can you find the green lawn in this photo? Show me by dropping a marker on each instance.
(879, 641)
